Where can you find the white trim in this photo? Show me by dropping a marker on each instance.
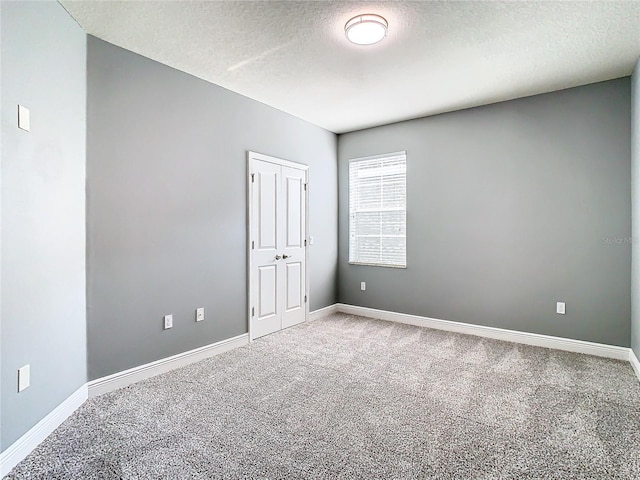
(634, 363)
(135, 374)
(546, 341)
(30, 440)
(323, 312)
(277, 161)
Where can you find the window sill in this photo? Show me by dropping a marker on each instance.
(378, 265)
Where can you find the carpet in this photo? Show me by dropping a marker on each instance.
(347, 397)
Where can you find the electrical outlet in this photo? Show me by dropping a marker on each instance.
(24, 377)
(168, 322)
(363, 286)
(560, 308)
(199, 314)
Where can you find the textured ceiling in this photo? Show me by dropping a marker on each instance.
(438, 56)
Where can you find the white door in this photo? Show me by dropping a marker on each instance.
(277, 246)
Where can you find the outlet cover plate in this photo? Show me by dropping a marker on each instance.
(199, 314)
(168, 322)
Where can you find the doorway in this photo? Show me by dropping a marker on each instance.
(277, 246)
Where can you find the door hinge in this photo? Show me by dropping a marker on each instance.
(305, 299)
(253, 179)
(253, 245)
(305, 186)
(305, 243)
(253, 311)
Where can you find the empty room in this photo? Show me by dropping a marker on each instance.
(320, 239)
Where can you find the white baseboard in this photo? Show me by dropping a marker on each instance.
(323, 312)
(547, 341)
(135, 374)
(30, 440)
(634, 363)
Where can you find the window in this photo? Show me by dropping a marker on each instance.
(378, 210)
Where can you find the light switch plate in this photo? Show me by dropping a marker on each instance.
(199, 314)
(363, 286)
(24, 118)
(24, 377)
(168, 321)
(560, 308)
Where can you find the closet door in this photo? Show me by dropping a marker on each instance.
(277, 244)
(293, 248)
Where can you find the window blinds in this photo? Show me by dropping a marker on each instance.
(378, 210)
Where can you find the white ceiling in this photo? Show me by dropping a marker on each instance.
(438, 56)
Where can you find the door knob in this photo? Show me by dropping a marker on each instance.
(278, 257)
(284, 255)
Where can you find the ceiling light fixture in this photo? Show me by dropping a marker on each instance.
(366, 29)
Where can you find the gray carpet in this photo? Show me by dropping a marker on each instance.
(348, 397)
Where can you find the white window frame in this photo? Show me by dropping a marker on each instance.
(354, 261)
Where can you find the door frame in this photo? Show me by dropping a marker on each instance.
(284, 163)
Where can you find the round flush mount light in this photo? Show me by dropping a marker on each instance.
(366, 29)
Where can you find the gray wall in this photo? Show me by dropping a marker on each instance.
(43, 212)
(509, 210)
(166, 220)
(635, 182)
